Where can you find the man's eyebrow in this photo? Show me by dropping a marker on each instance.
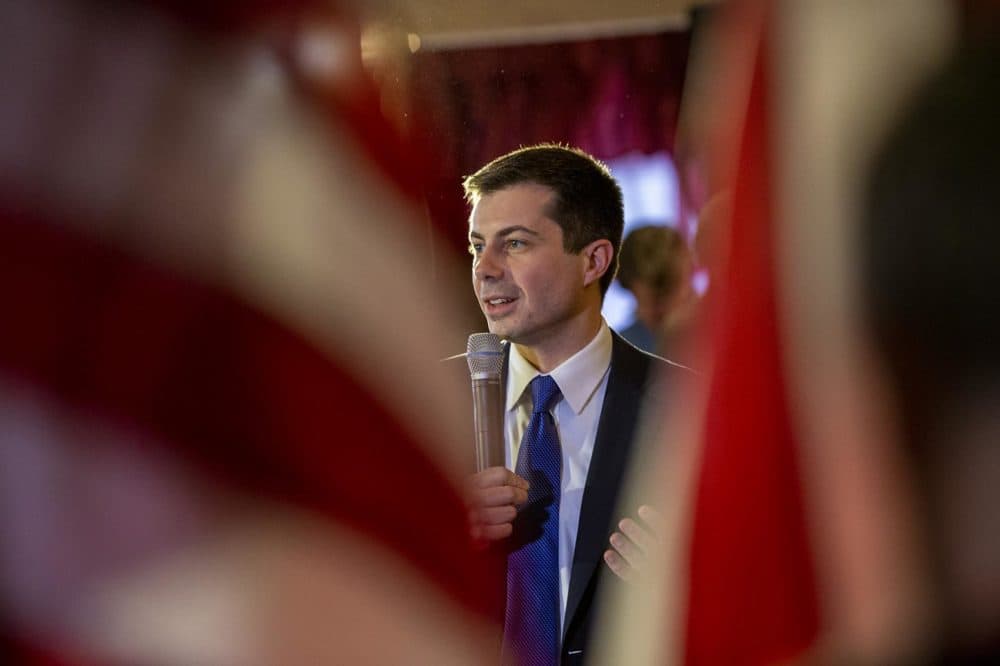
(507, 231)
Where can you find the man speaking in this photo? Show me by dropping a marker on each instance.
(544, 234)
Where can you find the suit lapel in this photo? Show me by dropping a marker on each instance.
(607, 468)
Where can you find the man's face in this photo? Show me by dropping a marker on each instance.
(529, 287)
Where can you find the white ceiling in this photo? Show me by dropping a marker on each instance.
(497, 21)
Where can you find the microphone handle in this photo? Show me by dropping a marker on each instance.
(487, 416)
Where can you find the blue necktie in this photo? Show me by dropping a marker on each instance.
(531, 623)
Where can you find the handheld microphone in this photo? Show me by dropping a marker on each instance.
(485, 357)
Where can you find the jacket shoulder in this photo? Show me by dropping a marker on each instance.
(637, 361)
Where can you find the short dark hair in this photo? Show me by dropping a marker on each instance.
(588, 202)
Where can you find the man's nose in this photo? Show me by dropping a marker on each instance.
(487, 266)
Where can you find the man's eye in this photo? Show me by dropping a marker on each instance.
(475, 248)
(515, 244)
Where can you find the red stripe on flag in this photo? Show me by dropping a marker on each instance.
(234, 393)
(752, 597)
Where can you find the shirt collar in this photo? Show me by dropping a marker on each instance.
(577, 377)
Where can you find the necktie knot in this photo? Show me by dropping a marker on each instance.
(544, 393)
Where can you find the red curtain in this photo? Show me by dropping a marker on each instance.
(610, 97)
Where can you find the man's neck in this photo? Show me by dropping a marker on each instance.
(548, 355)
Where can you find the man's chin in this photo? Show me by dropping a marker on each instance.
(499, 328)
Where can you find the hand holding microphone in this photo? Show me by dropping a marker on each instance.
(493, 496)
(494, 492)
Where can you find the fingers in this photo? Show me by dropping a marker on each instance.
(650, 516)
(493, 496)
(492, 523)
(636, 534)
(493, 515)
(496, 486)
(624, 558)
(618, 565)
(632, 554)
(498, 476)
(498, 496)
(492, 532)
(630, 544)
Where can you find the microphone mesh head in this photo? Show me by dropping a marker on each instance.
(484, 353)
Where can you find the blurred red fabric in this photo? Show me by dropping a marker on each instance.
(752, 596)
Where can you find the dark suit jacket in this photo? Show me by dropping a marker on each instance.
(632, 374)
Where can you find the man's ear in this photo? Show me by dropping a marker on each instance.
(597, 255)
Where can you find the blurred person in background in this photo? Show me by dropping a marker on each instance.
(929, 244)
(211, 433)
(655, 266)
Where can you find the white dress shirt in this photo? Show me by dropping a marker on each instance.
(583, 381)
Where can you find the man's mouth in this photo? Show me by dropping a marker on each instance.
(498, 305)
